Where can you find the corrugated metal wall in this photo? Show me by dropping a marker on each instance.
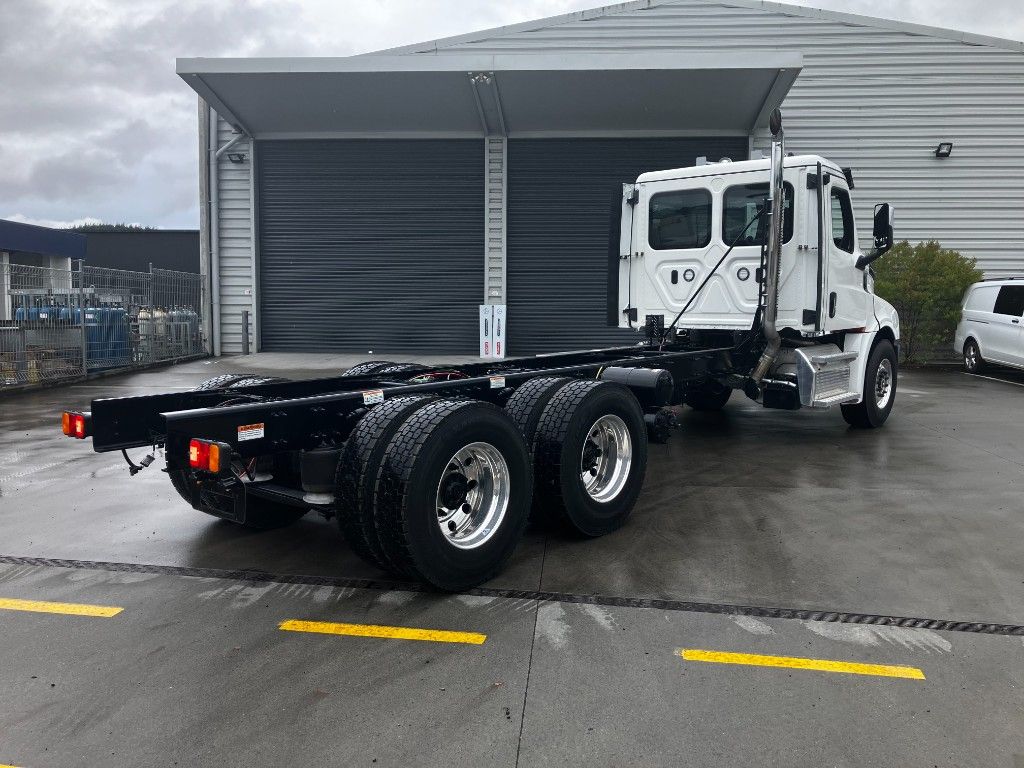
(560, 193)
(371, 244)
(874, 98)
(237, 270)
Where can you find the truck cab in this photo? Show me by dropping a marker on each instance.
(768, 250)
(677, 225)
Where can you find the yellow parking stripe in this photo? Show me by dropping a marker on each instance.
(792, 662)
(72, 609)
(375, 630)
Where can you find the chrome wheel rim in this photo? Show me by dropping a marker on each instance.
(606, 459)
(883, 383)
(473, 495)
(971, 357)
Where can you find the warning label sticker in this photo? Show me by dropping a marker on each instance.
(250, 432)
(373, 396)
(497, 382)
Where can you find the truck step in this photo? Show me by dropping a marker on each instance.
(824, 374)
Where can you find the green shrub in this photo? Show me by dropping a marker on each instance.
(925, 282)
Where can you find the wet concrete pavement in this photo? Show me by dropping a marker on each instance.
(923, 518)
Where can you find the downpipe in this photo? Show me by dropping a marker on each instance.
(214, 185)
(771, 289)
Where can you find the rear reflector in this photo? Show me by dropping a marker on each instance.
(209, 456)
(74, 424)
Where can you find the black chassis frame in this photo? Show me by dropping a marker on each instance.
(306, 414)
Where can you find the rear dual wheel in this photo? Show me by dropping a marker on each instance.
(590, 456)
(437, 490)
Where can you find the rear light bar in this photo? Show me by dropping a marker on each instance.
(209, 456)
(76, 424)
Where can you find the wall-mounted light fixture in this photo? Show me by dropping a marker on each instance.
(236, 157)
(944, 149)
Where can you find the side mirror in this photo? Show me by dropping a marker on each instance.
(882, 234)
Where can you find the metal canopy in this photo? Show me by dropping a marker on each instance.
(517, 95)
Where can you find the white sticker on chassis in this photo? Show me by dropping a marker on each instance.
(250, 432)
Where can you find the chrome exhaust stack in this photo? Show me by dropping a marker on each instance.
(771, 277)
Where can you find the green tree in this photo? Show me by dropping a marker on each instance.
(925, 282)
(117, 227)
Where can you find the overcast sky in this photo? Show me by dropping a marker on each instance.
(95, 125)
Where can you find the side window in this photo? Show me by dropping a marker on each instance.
(1010, 301)
(680, 219)
(982, 298)
(842, 220)
(739, 205)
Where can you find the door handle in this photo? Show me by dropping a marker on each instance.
(1015, 320)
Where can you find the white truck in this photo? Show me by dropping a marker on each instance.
(742, 275)
(690, 258)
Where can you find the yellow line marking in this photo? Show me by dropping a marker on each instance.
(376, 630)
(73, 609)
(792, 662)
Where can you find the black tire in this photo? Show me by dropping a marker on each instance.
(253, 381)
(357, 473)
(528, 403)
(973, 361)
(260, 514)
(870, 413)
(711, 397)
(416, 461)
(563, 436)
(394, 368)
(222, 381)
(367, 368)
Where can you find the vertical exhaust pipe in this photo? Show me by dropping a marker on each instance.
(771, 278)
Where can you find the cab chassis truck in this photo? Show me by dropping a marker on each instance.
(433, 472)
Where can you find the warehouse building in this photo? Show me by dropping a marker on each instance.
(373, 202)
(140, 249)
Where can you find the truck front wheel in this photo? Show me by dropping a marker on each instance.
(879, 392)
(590, 456)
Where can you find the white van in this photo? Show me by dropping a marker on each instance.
(991, 329)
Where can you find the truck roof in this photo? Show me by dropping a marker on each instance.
(742, 166)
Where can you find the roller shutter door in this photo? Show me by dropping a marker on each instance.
(371, 244)
(559, 194)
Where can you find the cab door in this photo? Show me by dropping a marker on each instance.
(846, 302)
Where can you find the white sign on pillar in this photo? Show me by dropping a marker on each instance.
(499, 331)
(486, 330)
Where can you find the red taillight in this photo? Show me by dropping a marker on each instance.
(74, 424)
(208, 455)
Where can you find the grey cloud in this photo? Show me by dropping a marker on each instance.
(94, 121)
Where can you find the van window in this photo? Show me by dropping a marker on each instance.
(982, 298)
(1010, 301)
(680, 219)
(739, 207)
(842, 220)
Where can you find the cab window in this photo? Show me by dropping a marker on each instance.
(739, 206)
(680, 219)
(842, 220)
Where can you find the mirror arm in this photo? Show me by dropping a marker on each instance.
(874, 254)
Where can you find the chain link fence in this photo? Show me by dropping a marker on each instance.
(59, 324)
